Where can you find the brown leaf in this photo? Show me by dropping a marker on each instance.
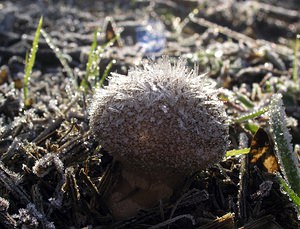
(261, 152)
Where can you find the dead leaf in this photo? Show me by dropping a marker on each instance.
(261, 152)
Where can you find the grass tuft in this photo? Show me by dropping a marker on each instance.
(92, 67)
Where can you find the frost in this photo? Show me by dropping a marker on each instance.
(164, 108)
(163, 116)
(43, 166)
(15, 177)
(282, 141)
(24, 218)
(4, 204)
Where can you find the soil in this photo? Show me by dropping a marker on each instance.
(53, 173)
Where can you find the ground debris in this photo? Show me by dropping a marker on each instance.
(53, 173)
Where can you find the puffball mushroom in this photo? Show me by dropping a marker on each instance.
(162, 122)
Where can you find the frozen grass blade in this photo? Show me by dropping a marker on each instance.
(107, 69)
(237, 152)
(293, 196)
(90, 69)
(251, 115)
(60, 56)
(29, 61)
(244, 100)
(282, 142)
(100, 50)
(92, 66)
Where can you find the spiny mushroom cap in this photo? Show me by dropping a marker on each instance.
(160, 119)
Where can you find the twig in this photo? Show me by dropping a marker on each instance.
(170, 221)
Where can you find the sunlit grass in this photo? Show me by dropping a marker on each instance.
(30, 60)
(60, 56)
(294, 197)
(282, 142)
(106, 72)
(244, 100)
(237, 152)
(251, 115)
(92, 66)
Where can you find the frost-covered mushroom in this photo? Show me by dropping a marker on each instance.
(162, 122)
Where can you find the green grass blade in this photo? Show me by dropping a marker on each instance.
(30, 59)
(92, 69)
(92, 66)
(107, 69)
(237, 152)
(109, 43)
(100, 50)
(60, 56)
(26, 58)
(251, 115)
(293, 196)
(93, 48)
(244, 100)
(282, 143)
(251, 127)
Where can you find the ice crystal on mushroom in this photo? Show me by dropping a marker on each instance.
(161, 117)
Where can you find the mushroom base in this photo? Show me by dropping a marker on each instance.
(134, 192)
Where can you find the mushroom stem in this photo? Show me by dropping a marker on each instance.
(135, 191)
